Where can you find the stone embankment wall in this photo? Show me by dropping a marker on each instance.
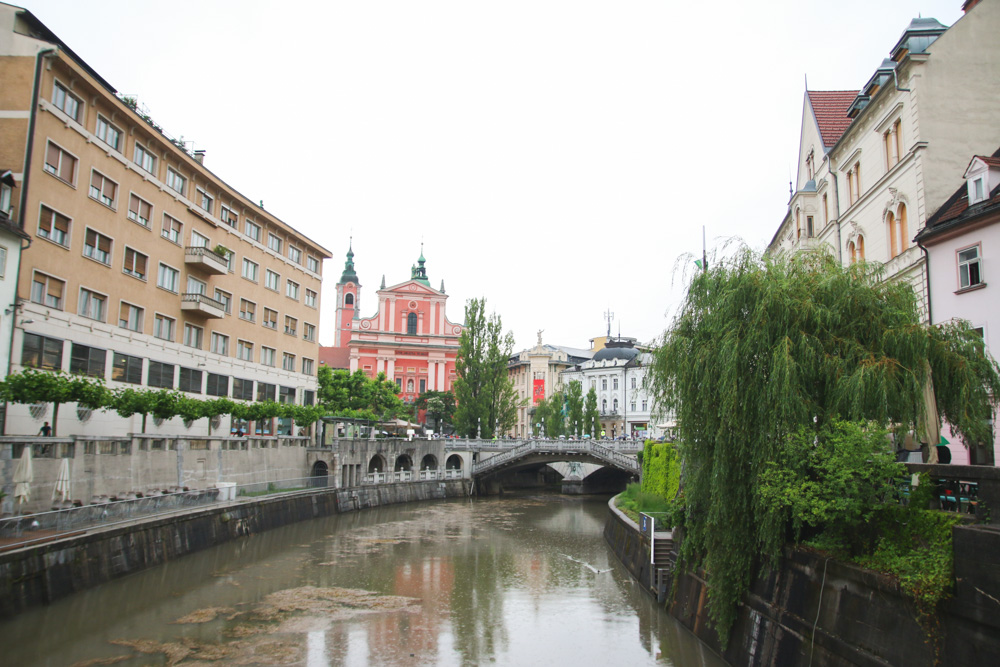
(821, 612)
(47, 572)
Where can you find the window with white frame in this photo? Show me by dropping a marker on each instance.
(294, 254)
(110, 135)
(309, 332)
(6, 199)
(268, 356)
(139, 210)
(220, 344)
(130, 317)
(193, 335)
(176, 182)
(195, 286)
(250, 270)
(144, 158)
(244, 350)
(271, 280)
(227, 216)
(307, 366)
(164, 327)
(270, 319)
(53, 226)
(291, 325)
(66, 101)
(103, 189)
(225, 298)
(97, 246)
(92, 305)
(59, 163)
(172, 229)
(248, 310)
(46, 290)
(969, 268)
(199, 241)
(312, 264)
(274, 243)
(292, 290)
(311, 298)
(168, 278)
(205, 201)
(135, 263)
(288, 362)
(978, 191)
(252, 230)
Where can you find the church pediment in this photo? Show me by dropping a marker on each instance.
(412, 287)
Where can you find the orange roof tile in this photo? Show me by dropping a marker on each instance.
(830, 108)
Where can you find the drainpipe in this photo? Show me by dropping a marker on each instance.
(26, 177)
(927, 274)
(836, 208)
(896, 80)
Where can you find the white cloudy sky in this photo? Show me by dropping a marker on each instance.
(555, 156)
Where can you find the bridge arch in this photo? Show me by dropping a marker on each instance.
(320, 471)
(377, 464)
(455, 462)
(429, 462)
(403, 462)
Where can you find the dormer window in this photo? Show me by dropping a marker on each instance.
(977, 189)
(982, 176)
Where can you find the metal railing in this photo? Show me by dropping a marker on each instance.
(575, 447)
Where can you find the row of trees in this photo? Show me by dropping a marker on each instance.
(569, 412)
(32, 386)
(357, 396)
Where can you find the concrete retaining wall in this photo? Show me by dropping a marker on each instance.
(53, 570)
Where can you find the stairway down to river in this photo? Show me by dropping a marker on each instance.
(664, 561)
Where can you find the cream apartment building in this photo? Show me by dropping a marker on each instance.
(535, 374)
(145, 268)
(875, 163)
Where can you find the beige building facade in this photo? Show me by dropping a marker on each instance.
(145, 268)
(536, 375)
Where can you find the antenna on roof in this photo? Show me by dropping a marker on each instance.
(806, 77)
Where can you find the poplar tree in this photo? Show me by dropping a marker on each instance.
(763, 348)
(591, 417)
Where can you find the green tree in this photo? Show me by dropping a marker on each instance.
(34, 386)
(762, 348)
(574, 407)
(439, 407)
(550, 413)
(591, 418)
(356, 395)
(483, 392)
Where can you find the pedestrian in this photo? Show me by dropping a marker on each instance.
(45, 431)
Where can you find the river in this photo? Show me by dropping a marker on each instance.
(522, 580)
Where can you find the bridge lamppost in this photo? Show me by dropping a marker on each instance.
(479, 428)
(576, 428)
(496, 428)
(543, 428)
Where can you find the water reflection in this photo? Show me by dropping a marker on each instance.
(524, 580)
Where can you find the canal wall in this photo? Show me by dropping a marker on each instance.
(813, 610)
(41, 574)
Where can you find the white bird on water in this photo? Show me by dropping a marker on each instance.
(586, 564)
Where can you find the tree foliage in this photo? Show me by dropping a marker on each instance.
(34, 386)
(550, 413)
(439, 406)
(661, 469)
(356, 395)
(591, 417)
(574, 407)
(484, 393)
(762, 348)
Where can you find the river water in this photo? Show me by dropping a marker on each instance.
(524, 580)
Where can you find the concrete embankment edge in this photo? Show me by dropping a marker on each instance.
(43, 573)
(817, 611)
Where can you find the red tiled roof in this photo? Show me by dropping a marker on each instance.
(958, 203)
(335, 357)
(830, 108)
(990, 161)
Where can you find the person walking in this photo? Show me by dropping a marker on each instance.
(45, 431)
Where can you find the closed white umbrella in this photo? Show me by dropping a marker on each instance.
(62, 492)
(23, 476)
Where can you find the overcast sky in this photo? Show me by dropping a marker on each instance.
(556, 157)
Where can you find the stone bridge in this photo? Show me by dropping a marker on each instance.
(508, 456)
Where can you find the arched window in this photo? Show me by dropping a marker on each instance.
(615, 405)
(798, 223)
(349, 299)
(604, 405)
(852, 252)
(861, 248)
(904, 235)
(890, 221)
(411, 323)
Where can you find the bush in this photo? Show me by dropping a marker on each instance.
(661, 469)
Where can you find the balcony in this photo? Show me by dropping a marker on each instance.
(205, 305)
(206, 260)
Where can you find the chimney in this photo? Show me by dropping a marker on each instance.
(199, 157)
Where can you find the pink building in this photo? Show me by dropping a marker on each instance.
(410, 338)
(962, 239)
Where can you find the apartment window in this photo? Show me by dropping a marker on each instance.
(267, 356)
(199, 241)
(135, 263)
(893, 144)
(856, 249)
(97, 246)
(615, 383)
(252, 230)
(250, 270)
(139, 210)
(46, 290)
(270, 319)
(604, 384)
(898, 234)
(168, 278)
(271, 280)
(171, 229)
(266, 391)
(977, 189)
(290, 325)
(294, 254)
(130, 317)
(192, 335)
(307, 366)
(274, 243)
(217, 385)
(411, 323)
(810, 227)
(312, 264)
(92, 305)
(6, 196)
(292, 290)
(311, 298)
(220, 344)
(645, 404)
(164, 327)
(632, 406)
(244, 350)
(142, 157)
(103, 189)
(66, 101)
(969, 268)
(195, 286)
(604, 406)
(126, 368)
(309, 332)
(854, 182)
(204, 201)
(286, 395)
(248, 310)
(176, 182)
(225, 298)
(288, 362)
(189, 380)
(53, 226)
(160, 375)
(227, 216)
(41, 352)
(87, 360)
(60, 164)
(108, 133)
(243, 389)
(826, 210)
(308, 396)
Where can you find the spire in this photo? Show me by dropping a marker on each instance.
(418, 272)
(383, 282)
(349, 276)
(442, 286)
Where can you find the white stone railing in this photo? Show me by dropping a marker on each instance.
(601, 452)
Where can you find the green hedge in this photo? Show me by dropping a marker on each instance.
(661, 469)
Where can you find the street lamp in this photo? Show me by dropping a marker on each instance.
(543, 428)
(479, 428)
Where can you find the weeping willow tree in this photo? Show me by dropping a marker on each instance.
(763, 348)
